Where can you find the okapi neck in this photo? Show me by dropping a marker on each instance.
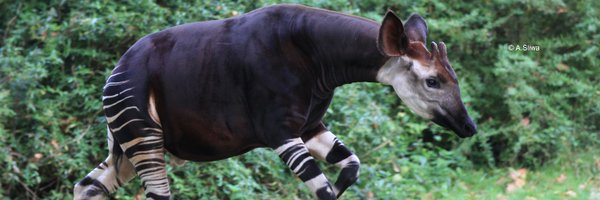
(343, 48)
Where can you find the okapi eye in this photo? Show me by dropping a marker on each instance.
(432, 83)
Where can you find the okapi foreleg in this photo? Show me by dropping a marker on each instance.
(295, 155)
(326, 146)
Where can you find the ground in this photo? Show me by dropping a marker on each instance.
(577, 177)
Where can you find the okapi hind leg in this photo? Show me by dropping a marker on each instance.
(131, 116)
(295, 154)
(147, 155)
(114, 172)
(142, 143)
(325, 146)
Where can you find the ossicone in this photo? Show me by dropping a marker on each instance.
(434, 50)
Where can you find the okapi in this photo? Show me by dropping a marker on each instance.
(212, 90)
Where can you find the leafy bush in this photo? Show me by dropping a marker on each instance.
(530, 105)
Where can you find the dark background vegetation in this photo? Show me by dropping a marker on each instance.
(534, 108)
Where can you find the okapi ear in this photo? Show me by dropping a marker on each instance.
(392, 41)
(416, 28)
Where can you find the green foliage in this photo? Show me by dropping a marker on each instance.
(531, 106)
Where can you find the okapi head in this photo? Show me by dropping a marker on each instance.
(423, 79)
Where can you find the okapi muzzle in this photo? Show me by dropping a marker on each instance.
(452, 113)
(455, 118)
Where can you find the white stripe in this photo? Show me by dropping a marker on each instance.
(295, 156)
(117, 67)
(301, 164)
(146, 152)
(289, 143)
(110, 84)
(136, 160)
(335, 191)
(320, 145)
(345, 162)
(138, 140)
(118, 129)
(115, 74)
(115, 95)
(108, 97)
(111, 119)
(152, 129)
(111, 105)
(148, 171)
(316, 183)
(110, 139)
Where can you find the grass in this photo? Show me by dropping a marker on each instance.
(572, 177)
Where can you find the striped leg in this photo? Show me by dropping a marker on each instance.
(146, 153)
(294, 153)
(107, 177)
(325, 146)
(136, 129)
